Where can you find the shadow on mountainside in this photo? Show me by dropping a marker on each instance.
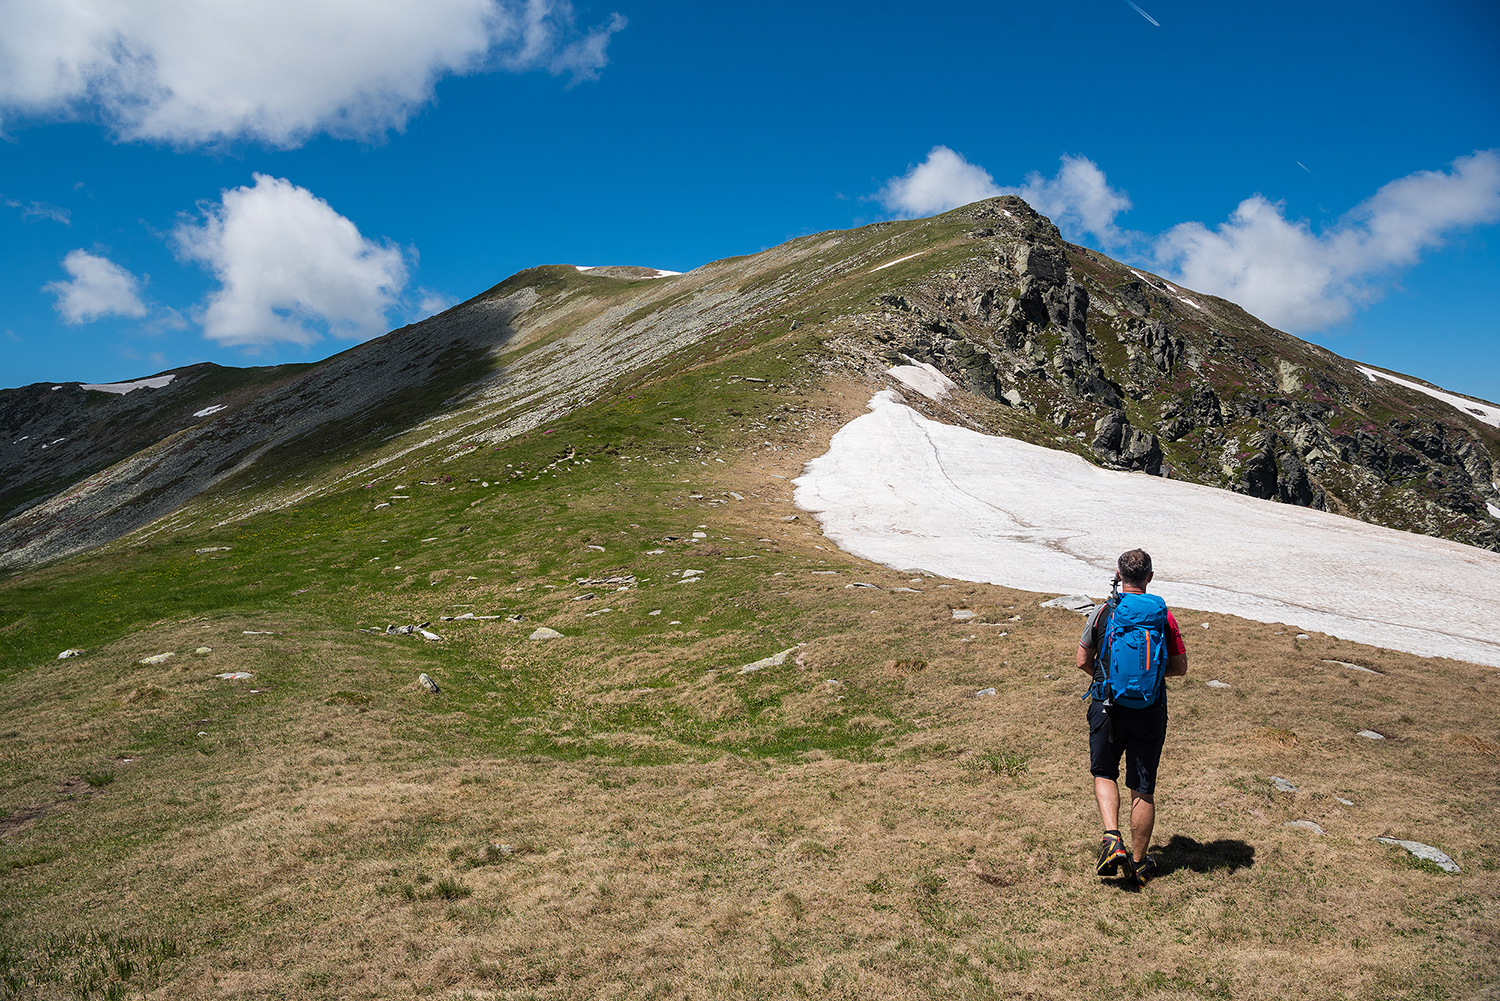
(1183, 852)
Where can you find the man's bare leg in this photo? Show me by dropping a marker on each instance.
(1142, 819)
(1107, 793)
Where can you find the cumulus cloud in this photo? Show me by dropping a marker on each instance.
(289, 267)
(1283, 272)
(97, 287)
(1079, 200)
(943, 181)
(279, 71)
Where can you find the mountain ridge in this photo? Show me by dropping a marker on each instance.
(1051, 341)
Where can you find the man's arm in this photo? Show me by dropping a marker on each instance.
(1176, 665)
(1086, 660)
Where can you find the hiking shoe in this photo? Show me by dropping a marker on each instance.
(1111, 855)
(1144, 871)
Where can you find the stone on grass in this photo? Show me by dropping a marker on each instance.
(1304, 825)
(426, 635)
(544, 633)
(1303, 636)
(1346, 802)
(235, 675)
(157, 658)
(214, 549)
(70, 652)
(1426, 852)
(700, 535)
(203, 650)
(428, 683)
(1282, 785)
(1216, 683)
(964, 614)
(775, 660)
(1205, 625)
(861, 584)
(1353, 667)
(1072, 602)
(1370, 735)
(986, 691)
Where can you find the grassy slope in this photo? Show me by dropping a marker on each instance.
(608, 815)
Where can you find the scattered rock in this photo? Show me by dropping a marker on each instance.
(791, 517)
(70, 652)
(964, 614)
(1205, 625)
(585, 596)
(775, 660)
(1353, 667)
(1216, 683)
(986, 691)
(203, 650)
(600, 548)
(1282, 785)
(544, 633)
(1426, 852)
(1072, 602)
(861, 584)
(381, 505)
(1303, 636)
(1346, 802)
(908, 590)
(1370, 735)
(400, 630)
(429, 684)
(429, 635)
(700, 535)
(235, 675)
(259, 632)
(158, 658)
(515, 618)
(1304, 825)
(654, 612)
(214, 549)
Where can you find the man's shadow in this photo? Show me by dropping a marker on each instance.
(1182, 852)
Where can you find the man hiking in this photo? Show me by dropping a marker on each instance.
(1130, 645)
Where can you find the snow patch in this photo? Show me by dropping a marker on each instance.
(1492, 509)
(882, 267)
(210, 410)
(911, 493)
(923, 378)
(155, 382)
(1486, 412)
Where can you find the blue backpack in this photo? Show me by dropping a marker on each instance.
(1135, 651)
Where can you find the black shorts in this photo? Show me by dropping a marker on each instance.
(1137, 733)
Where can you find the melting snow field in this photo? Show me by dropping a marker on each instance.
(155, 382)
(1488, 413)
(914, 494)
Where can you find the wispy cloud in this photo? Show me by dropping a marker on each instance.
(96, 287)
(41, 210)
(290, 268)
(1277, 268)
(191, 73)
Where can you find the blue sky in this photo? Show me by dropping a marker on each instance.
(253, 183)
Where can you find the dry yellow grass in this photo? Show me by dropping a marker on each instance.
(340, 833)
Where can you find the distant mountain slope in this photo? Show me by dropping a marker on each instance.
(1050, 342)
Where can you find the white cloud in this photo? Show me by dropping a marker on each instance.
(431, 303)
(98, 287)
(189, 73)
(1299, 280)
(41, 210)
(1079, 200)
(289, 267)
(943, 181)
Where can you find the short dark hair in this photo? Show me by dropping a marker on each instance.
(1135, 566)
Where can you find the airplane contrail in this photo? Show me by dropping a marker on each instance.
(1303, 166)
(1144, 14)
